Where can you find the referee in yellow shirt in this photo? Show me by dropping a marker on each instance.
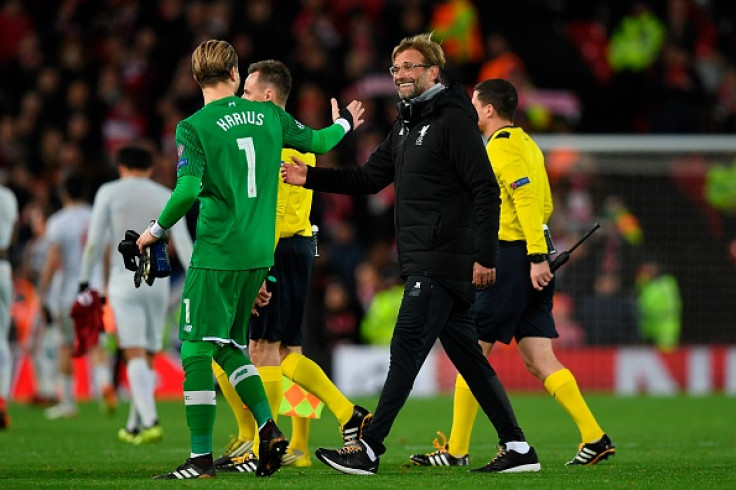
(519, 304)
(275, 333)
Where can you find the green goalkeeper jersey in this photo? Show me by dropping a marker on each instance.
(233, 146)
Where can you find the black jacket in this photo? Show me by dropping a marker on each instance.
(447, 198)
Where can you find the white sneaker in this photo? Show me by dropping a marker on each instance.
(61, 411)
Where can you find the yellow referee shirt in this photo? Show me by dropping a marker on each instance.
(526, 199)
(294, 203)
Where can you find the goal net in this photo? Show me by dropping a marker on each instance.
(667, 209)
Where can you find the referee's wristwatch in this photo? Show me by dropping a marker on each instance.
(537, 258)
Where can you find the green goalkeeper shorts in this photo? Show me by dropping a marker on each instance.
(216, 304)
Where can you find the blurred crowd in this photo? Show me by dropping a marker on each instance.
(81, 78)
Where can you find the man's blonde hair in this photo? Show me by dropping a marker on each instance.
(423, 43)
(212, 62)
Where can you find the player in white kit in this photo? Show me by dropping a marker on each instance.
(8, 220)
(139, 312)
(66, 231)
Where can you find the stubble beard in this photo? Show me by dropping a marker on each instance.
(414, 92)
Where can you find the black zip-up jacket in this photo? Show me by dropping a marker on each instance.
(447, 199)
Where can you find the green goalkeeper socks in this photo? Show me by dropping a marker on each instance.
(244, 377)
(199, 388)
(199, 396)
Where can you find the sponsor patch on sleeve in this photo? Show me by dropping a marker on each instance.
(520, 182)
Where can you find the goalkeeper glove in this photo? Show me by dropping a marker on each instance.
(155, 262)
(152, 263)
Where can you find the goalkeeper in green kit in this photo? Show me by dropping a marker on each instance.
(229, 158)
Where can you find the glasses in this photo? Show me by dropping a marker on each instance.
(393, 70)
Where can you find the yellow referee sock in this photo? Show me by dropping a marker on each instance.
(464, 410)
(274, 388)
(563, 388)
(307, 374)
(299, 434)
(246, 422)
(272, 385)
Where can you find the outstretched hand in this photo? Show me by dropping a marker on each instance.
(355, 108)
(294, 173)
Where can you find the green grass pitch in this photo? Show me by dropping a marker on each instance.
(680, 442)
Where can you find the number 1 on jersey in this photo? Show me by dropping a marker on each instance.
(246, 144)
(187, 313)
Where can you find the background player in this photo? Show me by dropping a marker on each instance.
(140, 313)
(8, 221)
(66, 231)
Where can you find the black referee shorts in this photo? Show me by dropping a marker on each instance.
(281, 320)
(512, 308)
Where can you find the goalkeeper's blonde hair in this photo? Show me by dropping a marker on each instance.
(212, 61)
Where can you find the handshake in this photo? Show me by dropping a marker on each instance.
(153, 262)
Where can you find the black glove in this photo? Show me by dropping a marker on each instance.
(152, 263)
(345, 114)
(155, 262)
(129, 249)
(131, 255)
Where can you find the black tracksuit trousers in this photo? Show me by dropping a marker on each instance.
(429, 311)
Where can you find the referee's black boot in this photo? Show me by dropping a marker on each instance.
(594, 452)
(440, 457)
